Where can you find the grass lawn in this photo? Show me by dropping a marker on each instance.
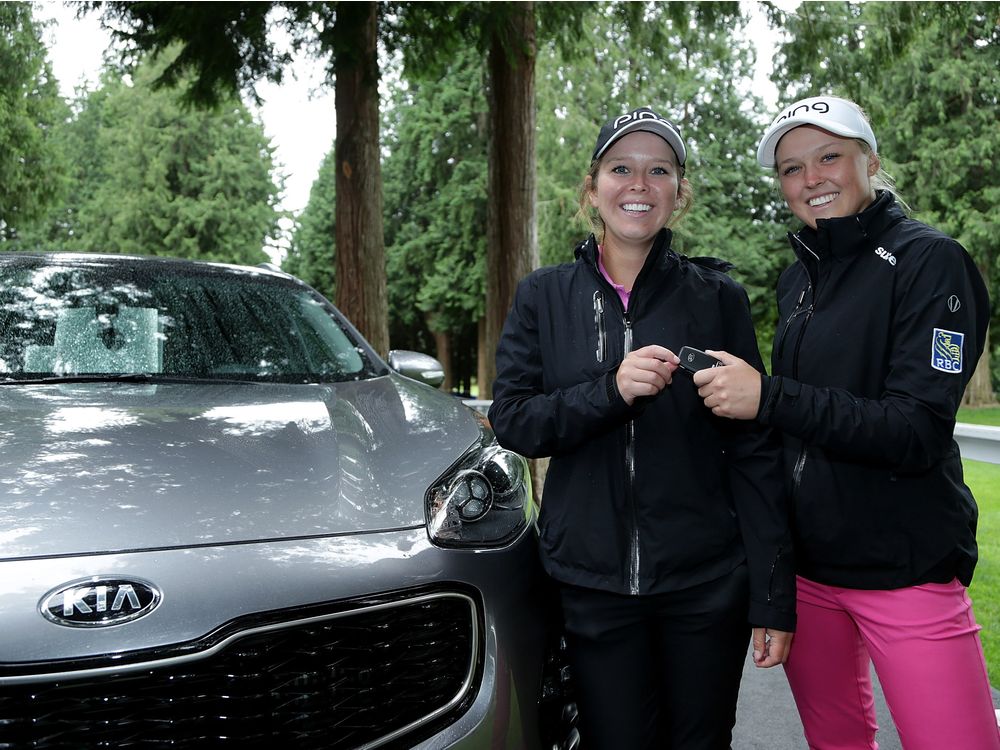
(988, 415)
(984, 479)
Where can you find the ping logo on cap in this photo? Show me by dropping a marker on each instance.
(642, 119)
(818, 106)
(642, 115)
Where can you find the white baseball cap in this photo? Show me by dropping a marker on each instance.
(831, 113)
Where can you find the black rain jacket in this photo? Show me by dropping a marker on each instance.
(661, 495)
(882, 321)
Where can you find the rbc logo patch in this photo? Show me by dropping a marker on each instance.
(946, 350)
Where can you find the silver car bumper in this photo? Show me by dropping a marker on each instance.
(483, 639)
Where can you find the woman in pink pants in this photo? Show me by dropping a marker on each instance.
(882, 321)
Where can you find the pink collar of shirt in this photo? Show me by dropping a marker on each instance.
(623, 293)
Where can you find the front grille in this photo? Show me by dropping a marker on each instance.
(353, 679)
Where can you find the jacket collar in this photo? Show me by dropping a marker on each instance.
(587, 250)
(848, 235)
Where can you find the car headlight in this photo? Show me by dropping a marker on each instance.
(484, 500)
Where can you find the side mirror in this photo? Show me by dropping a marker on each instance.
(421, 367)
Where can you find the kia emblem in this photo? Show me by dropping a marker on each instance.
(99, 601)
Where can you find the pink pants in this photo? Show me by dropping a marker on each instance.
(925, 645)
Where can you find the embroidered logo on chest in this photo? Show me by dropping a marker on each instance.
(946, 350)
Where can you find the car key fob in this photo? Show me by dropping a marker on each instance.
(693, 359)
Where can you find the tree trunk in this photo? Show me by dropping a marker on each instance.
(442, 343)
(979, 391)
(511, 247)
(464, 358)
(360, 245)
(484, 361)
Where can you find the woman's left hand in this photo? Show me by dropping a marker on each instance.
(770, 646)
(732, 390)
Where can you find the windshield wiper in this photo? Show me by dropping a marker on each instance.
(116, 377)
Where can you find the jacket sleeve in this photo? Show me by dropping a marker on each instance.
(934, 351)
(756, 481)
(525, 417)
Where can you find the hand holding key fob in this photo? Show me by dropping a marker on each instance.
(693, 359)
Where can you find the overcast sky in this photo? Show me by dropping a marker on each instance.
(298, 117)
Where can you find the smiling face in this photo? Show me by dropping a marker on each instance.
(824, 176)
(635, 191)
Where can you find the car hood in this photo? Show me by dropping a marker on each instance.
(102, 467)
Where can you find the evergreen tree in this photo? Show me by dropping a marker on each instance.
(507, 34)
(311, 255)
(226, 47)
(32, 165)
(435, 184)
(154, 177)
(434, 180)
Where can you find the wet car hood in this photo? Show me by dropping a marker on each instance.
(99, 467)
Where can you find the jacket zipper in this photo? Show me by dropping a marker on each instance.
(633, 573)
(800, 461)
(602, 350)
(602, 343)
(798, 304)
(795, 313)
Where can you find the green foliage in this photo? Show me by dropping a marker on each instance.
(984, 481)
(311, 256)
(32, 165)
(431, 34)
(435, 197)
(217, 49)
(153, 177)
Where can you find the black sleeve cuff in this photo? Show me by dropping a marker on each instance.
(611, 388)
(770, 387)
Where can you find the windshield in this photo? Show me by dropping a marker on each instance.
(82, 317)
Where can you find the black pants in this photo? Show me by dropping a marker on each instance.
(658, 672)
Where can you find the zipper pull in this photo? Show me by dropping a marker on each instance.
(628, 334)
(602, 345)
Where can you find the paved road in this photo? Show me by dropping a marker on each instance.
(766, 718)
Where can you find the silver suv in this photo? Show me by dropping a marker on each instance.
(225, 522)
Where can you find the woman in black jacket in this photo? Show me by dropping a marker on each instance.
(664, 527)
(882, 320)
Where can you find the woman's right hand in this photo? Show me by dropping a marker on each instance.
(731, 391)
(645, 372)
